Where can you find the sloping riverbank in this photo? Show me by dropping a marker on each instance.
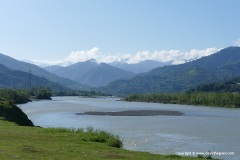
(43, 143)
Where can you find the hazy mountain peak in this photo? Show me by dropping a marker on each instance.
(92, 73)
(140, 67)
(93, 60)
(35, 70)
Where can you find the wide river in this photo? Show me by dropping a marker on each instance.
(199, 129)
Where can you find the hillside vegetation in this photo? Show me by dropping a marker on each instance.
(231, 100)
(9, 111)
(24, 80)
(223, 65)
(224, 86)
(16, 65)
(221, 94)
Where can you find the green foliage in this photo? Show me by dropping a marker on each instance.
(91, 135)
(173, 156)
(200, 156)
(15, 96)
(231, 100)
(12, 113)
(91, 93)
(27, 143)
(9, 111)
(226, 86)
(44, 93)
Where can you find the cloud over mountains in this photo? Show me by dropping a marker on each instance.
(174, 56)
(237, 42)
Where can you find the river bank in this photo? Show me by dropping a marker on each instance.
(154, 134)
(22, 140)
(18, 142)
(227, 100)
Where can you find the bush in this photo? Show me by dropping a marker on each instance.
(44, 94)
(91, 135)
(15, 96)
(104, 137)
(12, 113)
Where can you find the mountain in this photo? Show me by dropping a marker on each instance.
(35, 70)
(232, 85)
(222, 65)
(52, 68)
(140, 67)
(93, 74)
(23, 80)
(103, 74)
(76, 71)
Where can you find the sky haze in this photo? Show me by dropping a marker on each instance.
(52, 31)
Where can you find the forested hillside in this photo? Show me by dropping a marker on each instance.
(223, 65)
(24, 80)
(230, 100)
(225, 86)
(37, 71)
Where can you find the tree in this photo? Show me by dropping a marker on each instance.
(44, 93)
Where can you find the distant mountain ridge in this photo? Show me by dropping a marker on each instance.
(140, 67)
(52, 68)
(224, 64)
(23, 80)
(35, 70)
(75, 71)
(91, 73)
(103, 74)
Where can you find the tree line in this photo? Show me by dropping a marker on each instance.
(231, 100)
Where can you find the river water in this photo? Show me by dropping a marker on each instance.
(200, 129)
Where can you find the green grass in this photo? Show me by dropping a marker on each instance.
(23, 143)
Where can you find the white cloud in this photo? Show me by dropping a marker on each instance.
(174, 56)
(237, 42)
(79, 56)
(47, 62)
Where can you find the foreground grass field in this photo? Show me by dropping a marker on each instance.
(20, 142)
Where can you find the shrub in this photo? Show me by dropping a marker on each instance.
(12, 113)
(91, 135)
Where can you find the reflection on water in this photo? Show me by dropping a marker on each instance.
(200, 129)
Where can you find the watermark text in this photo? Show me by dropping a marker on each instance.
(205, 153)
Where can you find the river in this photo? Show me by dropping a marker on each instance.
(199, 130)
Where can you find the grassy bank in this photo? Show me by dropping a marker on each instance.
(21, 142)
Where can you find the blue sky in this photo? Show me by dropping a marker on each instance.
(74, 30)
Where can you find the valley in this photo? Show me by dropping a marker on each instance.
(88, 75)
(119, 79)
(209, 81)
